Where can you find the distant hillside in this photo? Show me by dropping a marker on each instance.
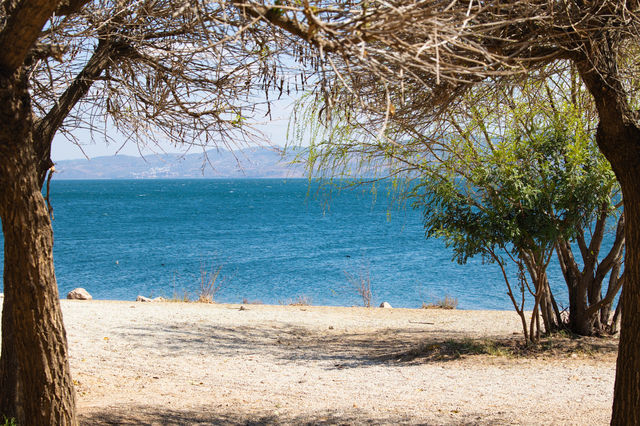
(246, 163)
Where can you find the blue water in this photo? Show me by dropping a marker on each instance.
(275, 240)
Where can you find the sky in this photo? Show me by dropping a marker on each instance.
(275, 132)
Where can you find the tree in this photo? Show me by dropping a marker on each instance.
(401, 62)
(514, 199)
(470, 136)
(554, 99)
(582, 182)
(179, 71)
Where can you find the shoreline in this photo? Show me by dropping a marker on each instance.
(488, 322)
(294, 301)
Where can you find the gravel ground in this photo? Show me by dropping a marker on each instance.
(188, 363)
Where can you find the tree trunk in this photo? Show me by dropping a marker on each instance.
(618, 137)
(544, 299)
(585, 291)
(605, 312)
(36, 382)
(579, 322)
(615, 322)
(556, 310)
(8, 366)
(582, 324)
(626, 401)
(572, 286)
(547, 307)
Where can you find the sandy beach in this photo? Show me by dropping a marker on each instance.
(192, 363)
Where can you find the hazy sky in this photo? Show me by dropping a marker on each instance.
(275, 131)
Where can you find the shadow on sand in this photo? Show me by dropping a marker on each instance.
(344, 349)
(137, 415)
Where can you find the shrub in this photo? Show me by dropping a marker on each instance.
(361, 283)
(298, 301)
(446, 303)
(210, 284)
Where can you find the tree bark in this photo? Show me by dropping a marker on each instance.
(618, 137)
(24, 21)
(588, 313)
(626, 402)
(538, 273)
(36, 381)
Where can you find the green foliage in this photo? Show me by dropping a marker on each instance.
(521, 192)
(9, 422)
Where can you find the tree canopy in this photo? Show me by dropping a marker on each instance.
(513, 199)
(410, 62)
(181, 71)
(175, 71)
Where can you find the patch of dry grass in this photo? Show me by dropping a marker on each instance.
(297, 301)
(447, 303)
(557, 346)
(246, 301)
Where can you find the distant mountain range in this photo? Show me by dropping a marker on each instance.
(245, 163)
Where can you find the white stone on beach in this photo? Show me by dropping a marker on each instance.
(79, 294)
(385, 305)
(148, 299)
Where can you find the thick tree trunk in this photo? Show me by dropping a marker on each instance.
(582, 323)
(8, 366)
(585, 290)
(571, 279)
(618, 137)
(626, 401)
(36, 382)
(579, 322)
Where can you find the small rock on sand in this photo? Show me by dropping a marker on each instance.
(79, 294)
(148, 299)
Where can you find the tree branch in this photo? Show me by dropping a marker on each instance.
(22, 28)
(566, 255)
(46, 127)
(276, 17)
(594, 245)
(614, 254)
(611, 294)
